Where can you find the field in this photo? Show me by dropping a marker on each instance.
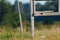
(42, 32)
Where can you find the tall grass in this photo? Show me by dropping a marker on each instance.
(42, 32)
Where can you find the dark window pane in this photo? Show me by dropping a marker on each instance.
(46, 5)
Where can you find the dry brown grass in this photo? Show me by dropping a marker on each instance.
(40, 34)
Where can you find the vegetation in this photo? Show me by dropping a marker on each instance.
(8, 17)
(53, 33)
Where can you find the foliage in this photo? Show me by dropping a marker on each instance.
(7, 16)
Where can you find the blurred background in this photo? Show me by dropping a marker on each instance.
(44, 25)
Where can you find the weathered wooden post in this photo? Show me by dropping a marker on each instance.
(32, 18)
(18, 10)
(59, 5)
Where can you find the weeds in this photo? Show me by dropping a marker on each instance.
(42, 33)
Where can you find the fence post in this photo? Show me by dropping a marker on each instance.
(32, 18)
(18, 10)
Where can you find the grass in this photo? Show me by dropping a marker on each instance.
(43, 33)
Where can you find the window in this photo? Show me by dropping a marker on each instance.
(46, 5)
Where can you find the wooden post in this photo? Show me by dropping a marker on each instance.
(18, 11)
(32, 18)
(33, 6)
(59, 5)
